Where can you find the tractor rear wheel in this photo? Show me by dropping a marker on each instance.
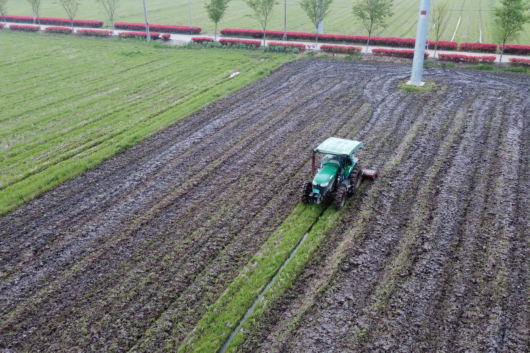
(340, 196)
(305, 191)
(356, 178)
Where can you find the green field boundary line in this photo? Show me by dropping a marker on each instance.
(222, 317)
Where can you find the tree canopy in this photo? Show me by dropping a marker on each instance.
(440, 20)
(70, 7)
(110, 6)
(509, 20)
(316, 10)
(216, 10)
(3, 8)
(373, 14)
(262, 10)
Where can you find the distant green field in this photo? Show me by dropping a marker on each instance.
(473, 14)
(69, 103)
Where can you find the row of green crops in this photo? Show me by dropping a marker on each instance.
(69, 103)
(316, 236)
(223, 317)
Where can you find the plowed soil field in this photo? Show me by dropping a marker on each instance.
(433, 256)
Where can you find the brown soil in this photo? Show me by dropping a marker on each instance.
(130, 254)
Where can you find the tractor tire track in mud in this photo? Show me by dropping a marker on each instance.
(130, 254)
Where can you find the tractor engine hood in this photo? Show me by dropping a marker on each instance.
(326, 175)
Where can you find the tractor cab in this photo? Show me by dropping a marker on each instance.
(344, 163)
(337, 175)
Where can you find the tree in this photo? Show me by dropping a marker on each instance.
(70, 7)
(262, 11)
(3, 9)
(373, 14)
(316, 10)
(110, 7)
(440, 19)
(35, 6)
(215, 11)
(509, 20)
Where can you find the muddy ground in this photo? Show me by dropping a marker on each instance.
(434, 254)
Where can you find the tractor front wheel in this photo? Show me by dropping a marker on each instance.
(356, 178)
(305, 191)
(340, 196)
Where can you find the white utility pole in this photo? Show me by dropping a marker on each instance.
(419, 49)
(146, 24)
(285, 22)
(320, 26)
(189, 5)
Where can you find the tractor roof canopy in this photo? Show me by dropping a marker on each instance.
(339, 147)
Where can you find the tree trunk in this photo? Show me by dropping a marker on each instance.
(215, 35)
(316, 42)
(368, 43)
(112, 25)
(502, 51)
(435, 48)
(264, 36)
(72, 25)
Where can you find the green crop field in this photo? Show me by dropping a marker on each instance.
(69, 103)
(475, 17)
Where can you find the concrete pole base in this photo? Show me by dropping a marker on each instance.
(409, 83)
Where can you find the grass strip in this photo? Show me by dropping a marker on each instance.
(316, 236)
(222, 317)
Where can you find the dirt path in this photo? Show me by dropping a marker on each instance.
(130, 254)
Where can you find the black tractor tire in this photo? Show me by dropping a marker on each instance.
(305, 190)
(340, 197)
(356, 178)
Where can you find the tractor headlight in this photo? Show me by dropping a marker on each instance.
(325, 184)
(315, 183)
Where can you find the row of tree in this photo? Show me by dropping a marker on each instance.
(509, 18)
(70, 7)
(371, 13)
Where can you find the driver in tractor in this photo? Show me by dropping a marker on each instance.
(345, 162)
(348, 162)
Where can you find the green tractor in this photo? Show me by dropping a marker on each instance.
(339, 173)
